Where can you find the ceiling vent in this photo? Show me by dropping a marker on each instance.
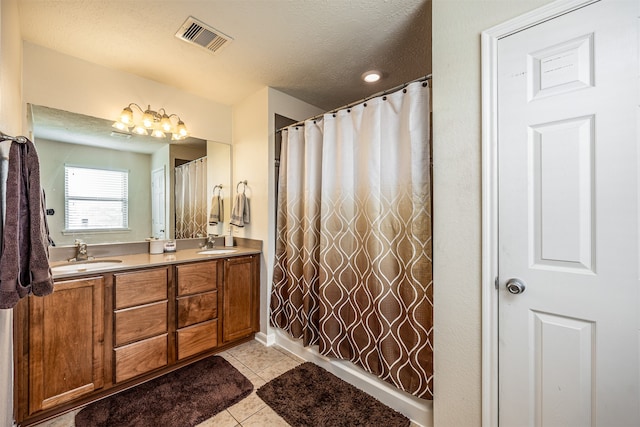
(198, 33)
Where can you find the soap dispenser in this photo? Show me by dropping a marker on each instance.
(228, 240)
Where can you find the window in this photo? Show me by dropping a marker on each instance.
(95, 199)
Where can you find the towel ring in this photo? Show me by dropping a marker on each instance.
(244, 189)
(217, 187)
(18, 139)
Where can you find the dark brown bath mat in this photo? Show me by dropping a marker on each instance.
(310, 396)
(184, 397)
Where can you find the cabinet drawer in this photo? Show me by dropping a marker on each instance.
(140, 357)
(140, 287)
(199, 277)
(197, 338)
(197, 308)
(136, 323)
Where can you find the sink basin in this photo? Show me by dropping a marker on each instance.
(85, 266)
(217, 251)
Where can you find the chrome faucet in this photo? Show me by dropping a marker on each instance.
(210, 243)
(81, 251)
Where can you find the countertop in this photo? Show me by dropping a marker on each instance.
(142, 260)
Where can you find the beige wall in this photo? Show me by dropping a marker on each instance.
(10, 69)
(457, 26)
(219, 172)
(251, 163)
(55, 80)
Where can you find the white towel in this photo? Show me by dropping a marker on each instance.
(216, 214)
(240, 212)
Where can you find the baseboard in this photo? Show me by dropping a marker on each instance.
(419, 411)
(265, 339)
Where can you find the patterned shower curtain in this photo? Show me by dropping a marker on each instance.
(353, 268)
(191, 199)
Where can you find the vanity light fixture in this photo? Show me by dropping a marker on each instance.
(150, 122)
(372, 76)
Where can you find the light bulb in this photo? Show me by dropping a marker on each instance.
(140, 130)
(182, 129)
(126, 116)
(165, 123)
(157, 133)
(120, 126)
(147, 118)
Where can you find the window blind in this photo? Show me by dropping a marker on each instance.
(96, 199)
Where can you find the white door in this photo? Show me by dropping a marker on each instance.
(158, 202)
(568, 220)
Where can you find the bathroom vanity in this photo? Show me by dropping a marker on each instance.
(109, 328)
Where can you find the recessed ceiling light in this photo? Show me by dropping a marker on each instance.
(372, 76)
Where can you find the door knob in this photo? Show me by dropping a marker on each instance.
(516, 286)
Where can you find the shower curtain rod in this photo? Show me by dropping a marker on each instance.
(375, 95)
(199, 159)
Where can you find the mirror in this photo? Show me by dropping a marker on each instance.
(64, 138)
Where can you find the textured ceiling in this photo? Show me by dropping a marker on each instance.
(314, 50)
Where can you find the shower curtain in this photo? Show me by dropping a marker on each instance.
(353, 269)
(191, 199)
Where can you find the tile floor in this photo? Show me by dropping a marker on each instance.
(259, 364)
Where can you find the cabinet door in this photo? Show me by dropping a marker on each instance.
(66, 353)
(240, 299)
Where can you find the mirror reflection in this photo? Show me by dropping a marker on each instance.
(103, 185)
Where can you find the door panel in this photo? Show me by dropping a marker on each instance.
(561, 168)
(568, 215)
(567, 400)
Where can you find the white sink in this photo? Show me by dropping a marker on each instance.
(217, 251)
(74, 267)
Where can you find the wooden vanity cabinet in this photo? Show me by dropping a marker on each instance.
(140, 332)
(103, 333)
(66, 343)
(197, 307)
(241, 301)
